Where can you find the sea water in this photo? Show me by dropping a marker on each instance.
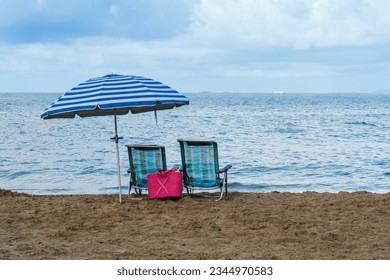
(276, 142)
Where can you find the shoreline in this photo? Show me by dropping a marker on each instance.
(274, 226)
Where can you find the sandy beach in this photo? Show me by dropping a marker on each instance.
(273, 225)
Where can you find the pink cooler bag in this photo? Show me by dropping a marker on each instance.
(165, 184)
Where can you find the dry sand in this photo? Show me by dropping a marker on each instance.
(242, 226)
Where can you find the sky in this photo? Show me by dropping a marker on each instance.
(197, 45)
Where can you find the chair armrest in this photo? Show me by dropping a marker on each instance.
(226, 168)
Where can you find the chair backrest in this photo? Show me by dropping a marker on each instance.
(145, 160)
(200, 162)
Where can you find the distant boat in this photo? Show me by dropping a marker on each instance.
(278, 92)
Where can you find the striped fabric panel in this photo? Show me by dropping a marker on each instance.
(146, 162)
(200, 165)
(113, 92)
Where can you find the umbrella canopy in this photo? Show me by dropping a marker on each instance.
(115, 94)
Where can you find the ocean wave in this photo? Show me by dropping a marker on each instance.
(18, 174)
(362, 123)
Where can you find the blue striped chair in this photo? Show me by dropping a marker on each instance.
(144, 160)
(200, 167)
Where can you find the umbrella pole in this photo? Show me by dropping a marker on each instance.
(116, 138)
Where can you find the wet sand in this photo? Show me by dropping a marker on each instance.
(287, 226)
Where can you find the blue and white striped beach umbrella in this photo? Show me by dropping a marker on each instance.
(115, 95)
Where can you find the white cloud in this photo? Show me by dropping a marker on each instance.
(300, 24)
(56, 67)
(114, 9)
(231, 45)
(40, 4)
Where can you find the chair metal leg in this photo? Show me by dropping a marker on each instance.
(190, 191)
(138, 191)
(224, 190)
(129, 189)
(225, 181)
(222, 194)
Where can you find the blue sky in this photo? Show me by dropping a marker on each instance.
(195, 45)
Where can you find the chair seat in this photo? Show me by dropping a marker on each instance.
(205, 184)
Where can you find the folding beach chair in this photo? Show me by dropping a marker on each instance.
(200, 167)
(144, 160)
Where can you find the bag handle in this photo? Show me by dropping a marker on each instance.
(165, 172)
